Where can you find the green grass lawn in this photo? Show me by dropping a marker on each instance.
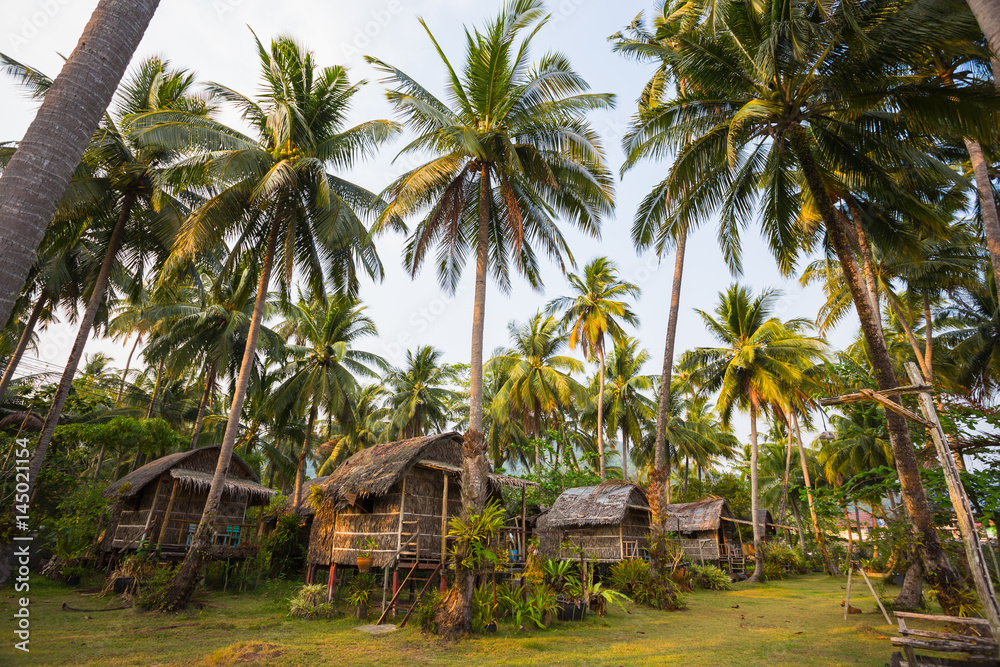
(793, 622)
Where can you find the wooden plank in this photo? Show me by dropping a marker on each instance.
(875, 595)
(943, 645)
(857, 397)
(847, 599)
(930, 634)
(944, 619)
(893, 406)
(963, 511)
(444, 521)
(166, 513)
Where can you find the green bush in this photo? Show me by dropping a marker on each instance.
(427, 610)
(634, 579)
(153, 591)
(308, 603)
(709, 577)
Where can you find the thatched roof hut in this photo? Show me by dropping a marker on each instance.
(400, 494)
(163, 502)
(705, 528)
(609, 521)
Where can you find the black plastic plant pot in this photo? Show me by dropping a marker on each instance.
(491, 628)
(572, 611)
(123, 585)
(72, 580)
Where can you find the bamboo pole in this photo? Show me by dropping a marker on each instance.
(847, 599)
(875, 595)
(963, 510)
(444, 522)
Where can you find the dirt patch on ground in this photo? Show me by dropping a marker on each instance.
(244, 653)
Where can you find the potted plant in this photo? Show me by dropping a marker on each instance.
(571, 606)
(72, 573)
(359, 591)
(366, 547)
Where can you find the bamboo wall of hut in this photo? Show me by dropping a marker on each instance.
(163, 501)
(705, 529)
(610, 522)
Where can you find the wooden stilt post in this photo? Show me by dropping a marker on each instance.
(522, 549)
(963, 510)
(331, 581)
(847, 599)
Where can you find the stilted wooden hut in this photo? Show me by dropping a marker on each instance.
(163, 501)
(401, 495)
(705, 528)
(610, 522)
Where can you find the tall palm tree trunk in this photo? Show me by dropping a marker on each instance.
(76, 353)
(202, 405)
(156, 389)
(300, 471)
(128, 364)
(38, 173)
(624, 454)
(820, 541)
(758, 553)
(187, 576)
(987, 203)
(663, 408)
(797, 515)
(987, 13)
(600, 407)
(783, 504)
(914, 344)
(937, 566)
(22, 343)
(454, 617)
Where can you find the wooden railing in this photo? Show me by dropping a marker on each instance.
(225, 534)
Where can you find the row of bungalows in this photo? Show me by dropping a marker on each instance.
(160, 505)
(401, 496)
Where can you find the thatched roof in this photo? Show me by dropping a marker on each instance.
(22, 421)
(305, 508)
(373, 471)
(136, 480)
(198, 480)
(704, 514)
(602, 505)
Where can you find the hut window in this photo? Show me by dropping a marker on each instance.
(365, 504)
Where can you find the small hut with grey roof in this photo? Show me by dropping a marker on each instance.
(609, 521)
(401, 495)
(162, 502)
(705, 528)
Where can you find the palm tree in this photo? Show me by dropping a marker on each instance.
(972, 338)
(537, 380)
(655, 225)
(628, 409)
(594, 311)
(987, 13)
(364, 426)
(130, 215)
(512, 153)
(418, 399)
(272, 187)
(804, 119)
(326, 364)
(761, 355)
(50, 151)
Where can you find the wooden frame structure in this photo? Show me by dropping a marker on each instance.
(609, 522)
(959, 498)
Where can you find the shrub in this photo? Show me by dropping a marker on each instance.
(634, 579)
(709, 577)
(427, 609)
(307, 603)
(153, 591)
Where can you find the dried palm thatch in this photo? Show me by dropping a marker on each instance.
(241, 480)
(701, 515)
(602, 505)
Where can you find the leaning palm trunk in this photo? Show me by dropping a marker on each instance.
(820, 541)
(758, 553)
(454, 618)
(300, 471)
(987, 13)
(50, 151)
(187, 576)
(783, 505)
(156, 390)
(128, 365)
(22, 343)
(987, 203)
(938, 568)
(600, 407)
(76, 354)
(202, 405)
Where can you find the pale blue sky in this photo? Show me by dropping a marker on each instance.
(212, 38)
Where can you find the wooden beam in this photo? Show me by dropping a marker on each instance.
(166, 514)
(963, 510)
(893, 406)
(861, 396)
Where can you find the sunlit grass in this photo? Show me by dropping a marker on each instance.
(793, 622)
